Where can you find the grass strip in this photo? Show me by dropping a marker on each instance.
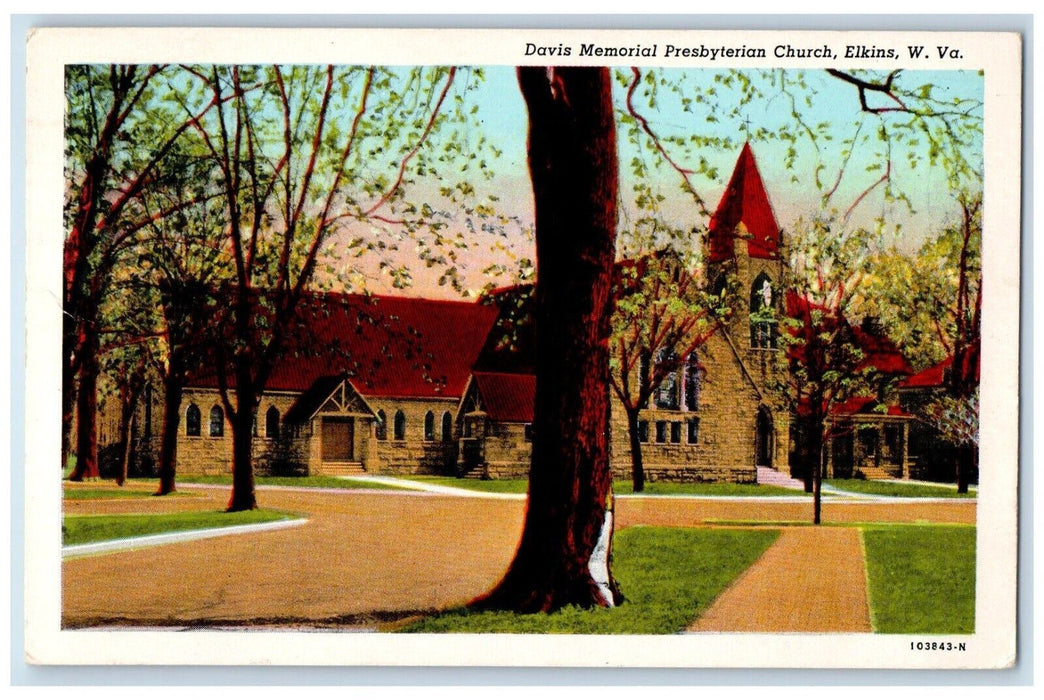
(81, 529)
(315, 482)
(921, 578)
(89, 494)
(620, 487)
(897, 489)
(669, 577)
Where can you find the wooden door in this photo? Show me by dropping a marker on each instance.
(338, 439)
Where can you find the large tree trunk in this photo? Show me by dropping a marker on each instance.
(243, 496)
(563, 557)
(172, 391)
(637, 467)
(87, 411)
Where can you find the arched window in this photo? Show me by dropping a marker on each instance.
(667, 394)
(447, 427)
(192, 420)
(762, 313)
(693, 382)
(429, 426)
(217, 422)
(382, 425)
(400, 425)
(272, 422)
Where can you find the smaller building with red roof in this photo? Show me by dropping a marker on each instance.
(367, 383)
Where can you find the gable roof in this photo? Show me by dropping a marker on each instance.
(879, 351)
(388, 346)
(507, 398)
(322, 391)
(746, 202)
(936, 376)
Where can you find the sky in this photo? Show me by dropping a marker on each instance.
(825, 104)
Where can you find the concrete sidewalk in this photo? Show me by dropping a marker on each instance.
(813, 579)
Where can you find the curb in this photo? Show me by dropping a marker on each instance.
(80, 550)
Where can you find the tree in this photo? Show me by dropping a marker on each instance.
(117, 134)
(540, 578)
(931, 304)
(297, 154)
(181, 265)
(825, 361)
(662, 315)
(963, 379)
(564, 554)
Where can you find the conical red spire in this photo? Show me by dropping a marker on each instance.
(744, 201)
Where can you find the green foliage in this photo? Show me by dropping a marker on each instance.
(864, 149)
(663, 312)
(915, 294)
(921, 578)
(81, 529)
(825, 273)
(669, 577)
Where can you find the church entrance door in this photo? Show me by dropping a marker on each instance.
(765, 439)
(338, 439)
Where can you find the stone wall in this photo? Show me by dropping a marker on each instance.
(732, 393)
(507, 451)
(725, 440)
(414, 454)
(206, 455)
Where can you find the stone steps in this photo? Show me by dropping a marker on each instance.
(342, 469)
(770, 477)
(876, 473)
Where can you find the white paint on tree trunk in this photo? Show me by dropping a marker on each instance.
(598, 564)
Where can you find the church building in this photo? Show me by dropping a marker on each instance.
(399, 385)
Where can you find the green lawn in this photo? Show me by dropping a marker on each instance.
(668, 576)
(483, 485)
(620, 487)
(81, 529)
(89, 494)
(315, 482)
(896, 488)
(921, 578)
(704, 489)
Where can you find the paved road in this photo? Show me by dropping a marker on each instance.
(362, 557)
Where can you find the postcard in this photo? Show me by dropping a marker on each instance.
(571, 348)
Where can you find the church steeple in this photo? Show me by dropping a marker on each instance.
(744, 202)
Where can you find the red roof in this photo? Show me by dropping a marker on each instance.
(878, 349)
(936, 375)
(386, 345)
(744, 201)
(505, 397)
(881, 353)
(866, 405)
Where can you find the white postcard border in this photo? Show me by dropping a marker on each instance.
(993, 644)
